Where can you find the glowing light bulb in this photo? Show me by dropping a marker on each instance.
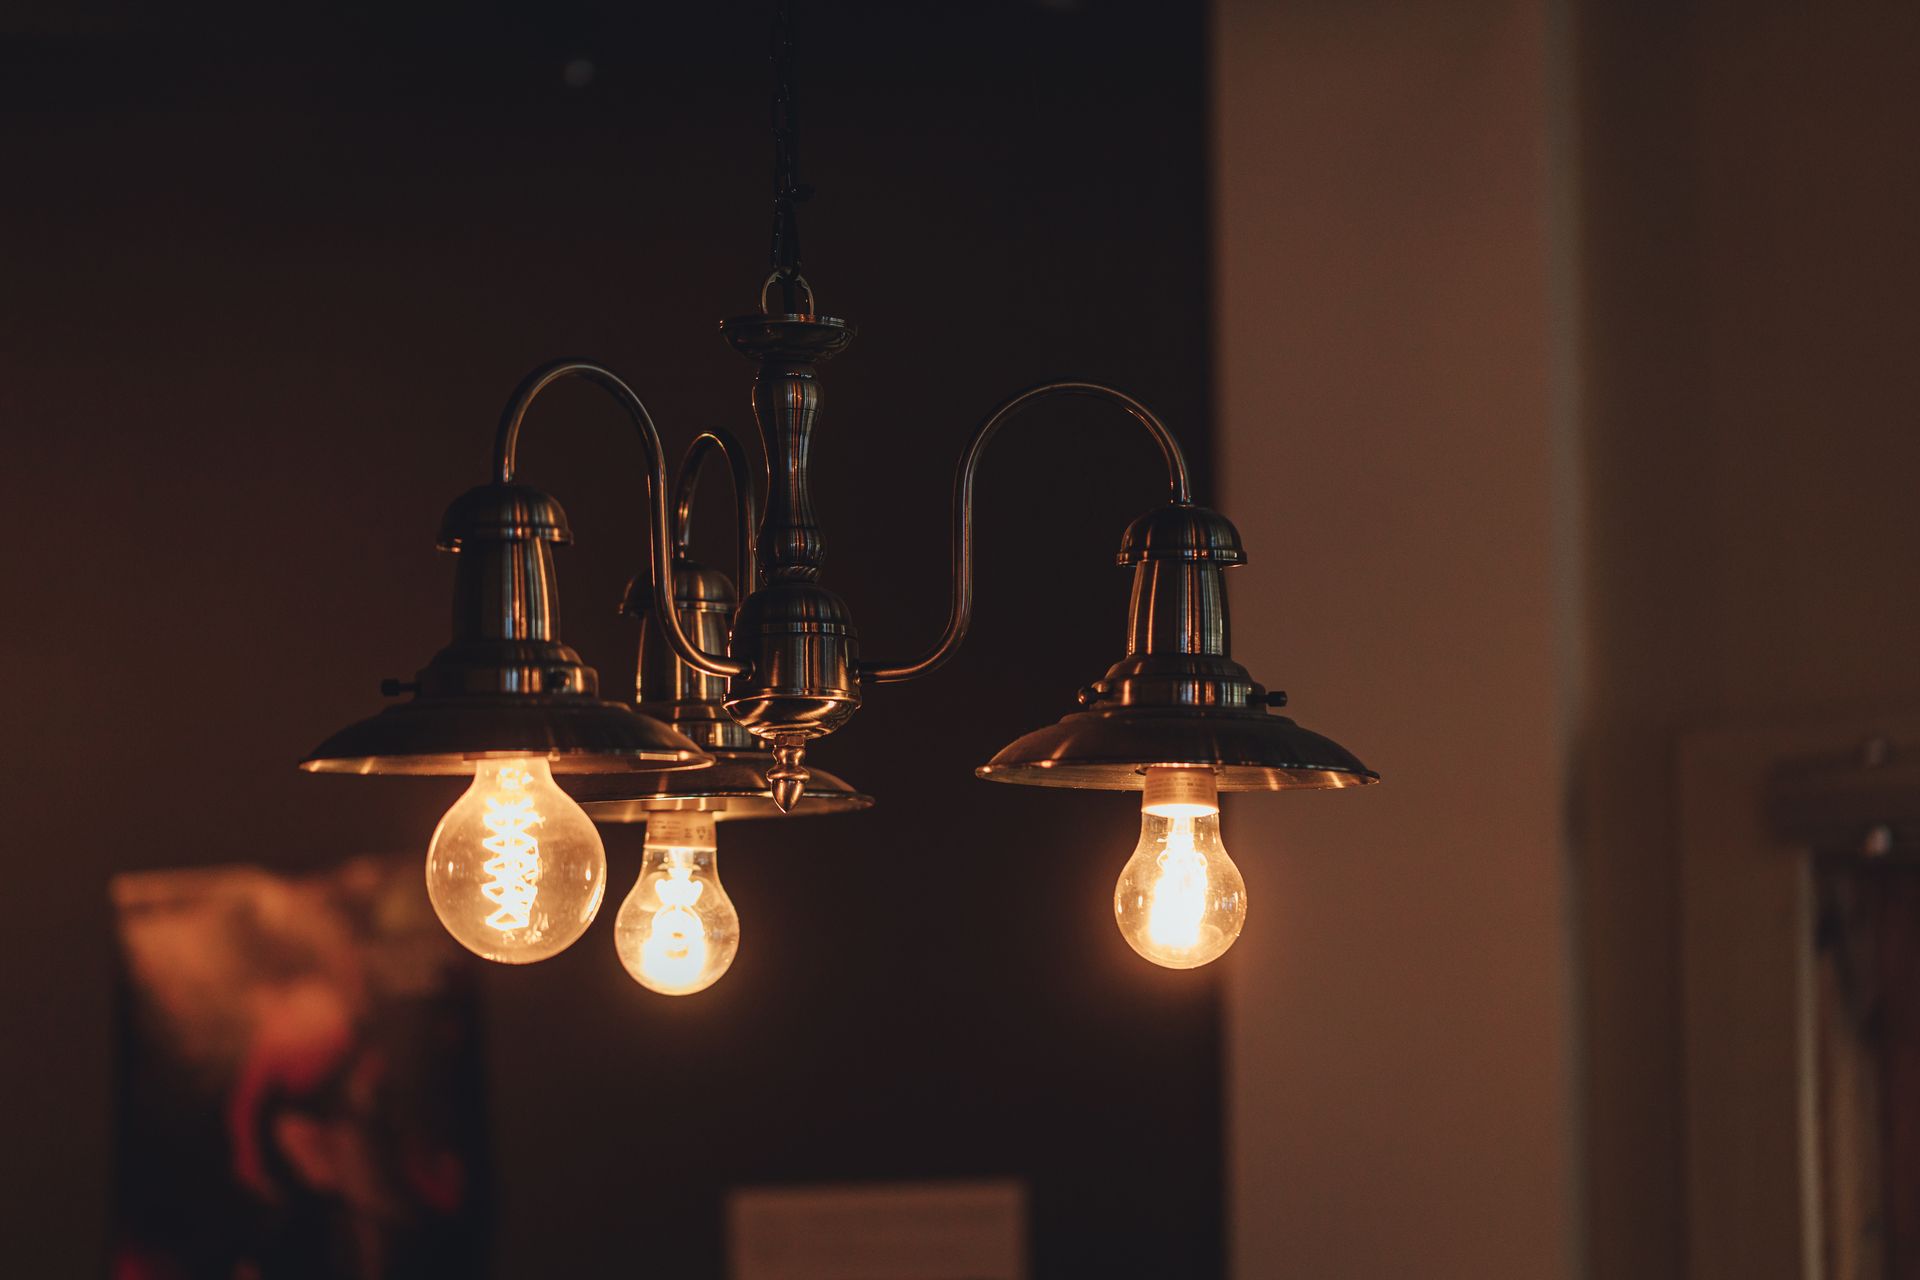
(1180, 900)
(677, 931)
(516, 869)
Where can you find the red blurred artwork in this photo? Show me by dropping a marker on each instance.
(299, 1084)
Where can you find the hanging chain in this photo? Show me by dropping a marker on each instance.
(788, 191)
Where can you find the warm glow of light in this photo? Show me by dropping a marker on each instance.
(1177, 903)
(516, 870)
(515, 864)
(675, 950)
(1180, 901)
(677, 931)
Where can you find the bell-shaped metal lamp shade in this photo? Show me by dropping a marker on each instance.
(446, 735)
(1112, 751)
(1178, 698)
(505, 686)
(737, 785)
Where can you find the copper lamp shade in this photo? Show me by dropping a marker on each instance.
(439, 735)
(1112, 750)
(505, 686)
(1178, 698)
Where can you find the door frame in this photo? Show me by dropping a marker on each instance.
(1748, 978)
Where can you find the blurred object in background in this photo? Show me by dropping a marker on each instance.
(880, 1231)
(299, 1086)
(1869, 1069)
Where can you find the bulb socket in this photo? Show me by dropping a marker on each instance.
(681, 831)
(1173, 792)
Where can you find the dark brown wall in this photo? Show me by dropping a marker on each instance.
(265, 289)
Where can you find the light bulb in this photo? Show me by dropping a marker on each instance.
(516, 869)
(1180, 900)
(677, 931)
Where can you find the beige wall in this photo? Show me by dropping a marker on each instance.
(1689, 229)
(1752, 424)
(1402, 1084)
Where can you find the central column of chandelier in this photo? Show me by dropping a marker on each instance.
(732, 690)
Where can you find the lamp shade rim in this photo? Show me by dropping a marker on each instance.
(1112, 750)
(447, 735)
(734, 787)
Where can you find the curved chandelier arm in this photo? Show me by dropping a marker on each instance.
(746, 507)
(960, 617)
(659, 509)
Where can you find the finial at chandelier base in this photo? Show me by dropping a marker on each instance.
(787, 778)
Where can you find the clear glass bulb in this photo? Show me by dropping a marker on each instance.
(516, 869)
(677, 931)
(1180, 901)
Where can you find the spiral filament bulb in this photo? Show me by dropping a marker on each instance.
(516, 870)
(515, 864)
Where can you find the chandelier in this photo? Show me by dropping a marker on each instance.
(737, 676)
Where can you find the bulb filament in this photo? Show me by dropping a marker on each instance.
(1179, 898)
(675, 951)
(515, 864)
